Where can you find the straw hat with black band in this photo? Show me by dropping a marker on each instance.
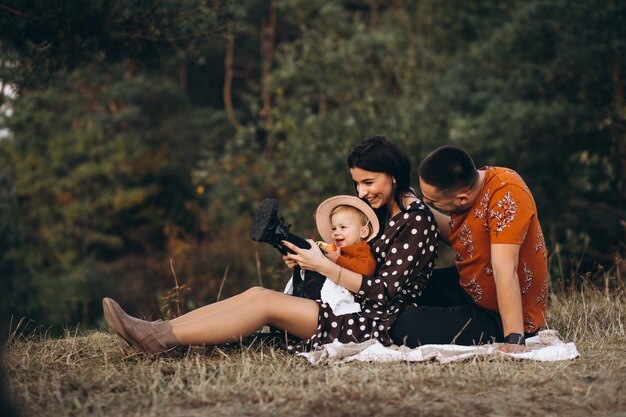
(322, 216)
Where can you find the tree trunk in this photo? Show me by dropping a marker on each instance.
(322, 104)
(373, 14)
(268, 33)
(130, 70)
(620, 125)
(182, 76)
(228, 75)
(2, 83)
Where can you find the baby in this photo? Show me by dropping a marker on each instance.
(346, 221)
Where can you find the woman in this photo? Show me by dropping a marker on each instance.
(405, 254)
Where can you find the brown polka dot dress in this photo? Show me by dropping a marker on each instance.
(405, 255)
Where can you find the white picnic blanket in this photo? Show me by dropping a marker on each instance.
(546, 346)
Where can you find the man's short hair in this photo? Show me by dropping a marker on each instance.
(449, 169)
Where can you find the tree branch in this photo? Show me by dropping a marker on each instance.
(13, 11)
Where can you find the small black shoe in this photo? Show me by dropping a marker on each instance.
(267, 227)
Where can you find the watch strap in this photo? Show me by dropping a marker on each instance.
(515, 339)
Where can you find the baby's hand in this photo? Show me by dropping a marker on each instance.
(332, 255)
(291, 264)
(327, 247)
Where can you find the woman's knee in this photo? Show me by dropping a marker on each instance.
(263, 298)
(254, 291)
(275, 305)
(254, 294)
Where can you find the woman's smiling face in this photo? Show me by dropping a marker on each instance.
(375, 187)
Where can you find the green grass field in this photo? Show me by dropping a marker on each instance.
(87, 374)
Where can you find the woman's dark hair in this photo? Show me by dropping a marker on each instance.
(449, 169)
(379, 154)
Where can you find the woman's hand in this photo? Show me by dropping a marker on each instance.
(309, 259)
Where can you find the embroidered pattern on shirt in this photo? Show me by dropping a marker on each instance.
(542, 298)
(489, 269)
(530, 324)
(475, 290)
(528, 279)
(466, 238)
(506, 215)
(540, 242)
(453, 221)
(482, 209)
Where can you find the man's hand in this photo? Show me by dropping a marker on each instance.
(512, 348)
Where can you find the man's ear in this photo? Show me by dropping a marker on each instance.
(463, 197)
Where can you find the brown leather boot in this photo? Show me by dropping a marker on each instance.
(148, 337)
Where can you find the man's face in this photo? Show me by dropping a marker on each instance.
(441, 201)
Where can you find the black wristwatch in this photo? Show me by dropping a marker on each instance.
(515, 339)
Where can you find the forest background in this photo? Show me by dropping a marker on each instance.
(138, 136)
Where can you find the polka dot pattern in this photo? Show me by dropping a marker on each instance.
(401, 276)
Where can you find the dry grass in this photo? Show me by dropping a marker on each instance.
(87, 374)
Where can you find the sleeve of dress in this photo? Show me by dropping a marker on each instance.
(408, 251)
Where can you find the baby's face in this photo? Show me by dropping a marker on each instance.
(347, 228)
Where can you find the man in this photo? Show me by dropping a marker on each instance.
(501, 258)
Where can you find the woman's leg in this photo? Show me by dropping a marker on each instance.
(297, 316)
(226, 322)
(217, 306)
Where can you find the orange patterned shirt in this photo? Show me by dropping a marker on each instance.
(504, 212)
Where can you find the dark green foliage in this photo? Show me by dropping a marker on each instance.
(123, 152)
(57, 36)
(104, 169)
(539, 94)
